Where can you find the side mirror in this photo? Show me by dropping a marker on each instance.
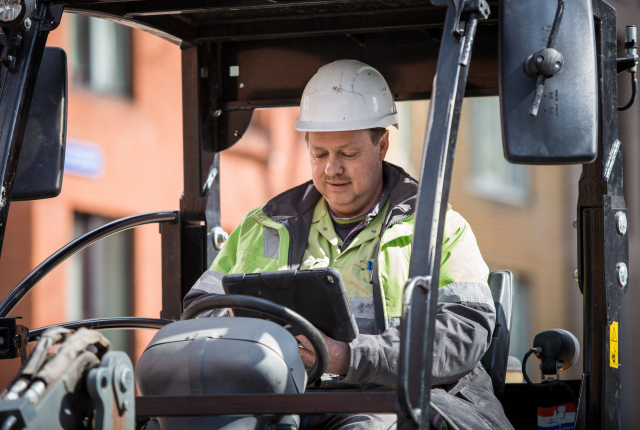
(41, 163)
(564, 129)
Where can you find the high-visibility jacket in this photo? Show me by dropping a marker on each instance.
(294, 231)
(264, 241)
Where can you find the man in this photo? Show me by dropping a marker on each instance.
(357, 215)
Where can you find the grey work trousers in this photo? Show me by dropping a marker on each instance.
(351, 422)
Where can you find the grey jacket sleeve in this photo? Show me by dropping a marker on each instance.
(210, 283)
(464, 325)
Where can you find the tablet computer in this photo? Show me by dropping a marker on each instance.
(318, 295)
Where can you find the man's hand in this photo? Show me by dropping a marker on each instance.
(339, 354)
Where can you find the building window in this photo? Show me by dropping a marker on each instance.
(492, 177)
(100, 284)
(101, 55)
(407, 141)
(400, 151)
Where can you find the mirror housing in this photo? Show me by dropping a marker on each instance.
(41, 162)
(565, 129)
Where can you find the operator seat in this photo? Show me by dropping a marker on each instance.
(497, 356)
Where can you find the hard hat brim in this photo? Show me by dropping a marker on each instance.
(380, 122)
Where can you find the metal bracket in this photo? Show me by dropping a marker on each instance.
(111, 388)
(52, 15)
(630, 64)
(218, 237)
(11, 43)
(631, 47)
(626, 64)
(544, 378)
(468, 10)
(228, 127)
(21, 411)
(50, 21)
(466, 22)
(13, 338)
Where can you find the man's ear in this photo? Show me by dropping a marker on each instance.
(384, 145)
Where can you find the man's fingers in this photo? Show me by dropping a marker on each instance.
(339, 354)
(307, 356)
(305, 342)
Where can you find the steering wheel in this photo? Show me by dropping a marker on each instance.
(274, 310)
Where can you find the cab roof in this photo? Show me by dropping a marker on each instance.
(194, 21)
(279, 44)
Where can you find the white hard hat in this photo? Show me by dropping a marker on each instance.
(346, 95)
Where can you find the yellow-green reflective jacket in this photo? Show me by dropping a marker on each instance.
(289, 233)
(294, 231)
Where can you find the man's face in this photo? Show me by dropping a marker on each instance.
(347, 169)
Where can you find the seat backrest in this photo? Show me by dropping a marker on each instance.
(497, 356)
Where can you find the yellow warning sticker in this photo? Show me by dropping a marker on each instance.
(614, 358)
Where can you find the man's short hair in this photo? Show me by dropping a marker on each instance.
(375, 134)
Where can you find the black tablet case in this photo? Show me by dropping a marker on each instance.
(318, 295)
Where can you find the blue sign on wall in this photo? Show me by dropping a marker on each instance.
(84, 159)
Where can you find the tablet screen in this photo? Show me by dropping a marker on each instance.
(318, 295)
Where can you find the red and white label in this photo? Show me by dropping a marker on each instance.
(559, 417)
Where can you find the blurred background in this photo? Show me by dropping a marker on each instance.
(124, 157)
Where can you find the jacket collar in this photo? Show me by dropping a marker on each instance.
(301, 200)
(294, 208)
(403, 191)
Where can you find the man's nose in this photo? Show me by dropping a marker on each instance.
(334, 166)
